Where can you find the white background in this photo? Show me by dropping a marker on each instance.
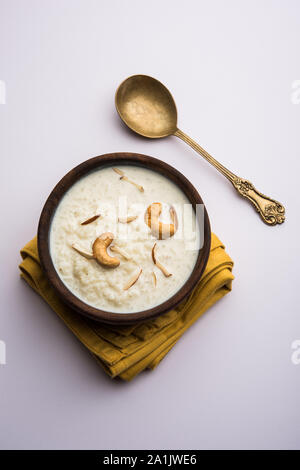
(230, 381)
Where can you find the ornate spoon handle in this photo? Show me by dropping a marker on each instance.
(271, 211)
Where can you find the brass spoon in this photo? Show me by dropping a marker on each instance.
(148, 108)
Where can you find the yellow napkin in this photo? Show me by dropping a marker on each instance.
(125, 351)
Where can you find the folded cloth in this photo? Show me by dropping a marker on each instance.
(125, 351)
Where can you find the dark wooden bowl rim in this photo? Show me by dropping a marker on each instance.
(114, 159)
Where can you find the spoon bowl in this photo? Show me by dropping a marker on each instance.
(147, 107)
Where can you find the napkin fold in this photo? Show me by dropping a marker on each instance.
(125, 351)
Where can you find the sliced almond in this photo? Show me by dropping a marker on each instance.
(154, 278)
(133, 280)
(163, 269)
(140, 188)
(121, 252)
(82, 252)
(153, 254)
(158, 264)
(120, 172)
(127, 220)
(90, 220)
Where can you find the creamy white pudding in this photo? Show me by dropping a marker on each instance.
(113, 202)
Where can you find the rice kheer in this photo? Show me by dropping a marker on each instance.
(118, 239)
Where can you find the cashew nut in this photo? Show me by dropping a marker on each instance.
(133, 280)
(159, 229)
(100, 246)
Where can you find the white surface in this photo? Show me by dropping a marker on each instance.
(230, 382)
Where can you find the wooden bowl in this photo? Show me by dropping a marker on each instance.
(115, 159)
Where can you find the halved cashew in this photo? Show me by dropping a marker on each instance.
(159, 229)
(133, 280)
(100, 246)
(158, 264)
